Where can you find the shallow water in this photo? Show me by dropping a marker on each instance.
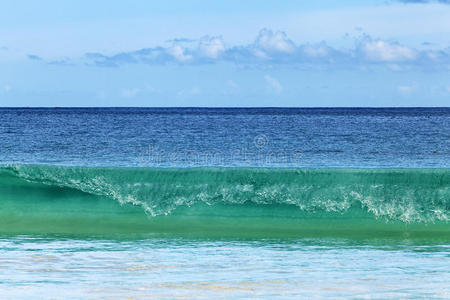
(170, 267)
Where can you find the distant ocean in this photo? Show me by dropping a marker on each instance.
(225, 202)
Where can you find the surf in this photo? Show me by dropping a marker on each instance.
(225, 201)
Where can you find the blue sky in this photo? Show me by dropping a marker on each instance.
(225, 53)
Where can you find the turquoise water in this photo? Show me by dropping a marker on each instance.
(225, 203)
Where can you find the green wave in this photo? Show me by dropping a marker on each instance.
(225, 201)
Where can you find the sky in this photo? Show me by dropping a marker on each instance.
(225, 53)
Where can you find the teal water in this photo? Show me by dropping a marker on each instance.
(224, 203)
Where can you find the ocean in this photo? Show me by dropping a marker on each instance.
(225, 202)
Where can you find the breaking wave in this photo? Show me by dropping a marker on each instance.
(239, 199)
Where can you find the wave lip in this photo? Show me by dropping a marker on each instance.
(287, 199)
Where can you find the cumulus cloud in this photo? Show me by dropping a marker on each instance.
(211, 47)
(382, 51)
(320, 50)
(271, 42)
(179, 53)
(272, 48)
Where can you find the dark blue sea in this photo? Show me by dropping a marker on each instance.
(262, 137)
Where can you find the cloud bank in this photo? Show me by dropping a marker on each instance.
(275, 48)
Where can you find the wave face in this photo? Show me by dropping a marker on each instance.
(53, 199)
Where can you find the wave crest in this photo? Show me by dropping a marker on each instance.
(407, 195)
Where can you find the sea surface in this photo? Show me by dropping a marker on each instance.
(224, 203)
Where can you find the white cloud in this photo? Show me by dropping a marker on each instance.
(270, 49)
(273, 84)
(130, 93)
(383, 51)
(274, 42)
(260, 53)
(211, 47)
(178, 53)
(318, 51)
